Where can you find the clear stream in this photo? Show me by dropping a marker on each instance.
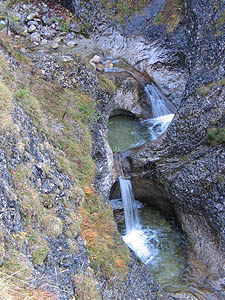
(158, 243)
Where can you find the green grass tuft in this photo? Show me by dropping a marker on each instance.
(170, 15)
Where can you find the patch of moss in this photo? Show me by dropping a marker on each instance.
(29, 200)
(220, 21)
(124, 8)
(106, 84)
(38, 247)
(85, 285)
(220, 178)
(18, 265)
(5, 107)
(216, 135)
(204, 89)
(52, 225)
(170, 15)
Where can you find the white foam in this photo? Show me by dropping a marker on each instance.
(138, 242)
(157, 126)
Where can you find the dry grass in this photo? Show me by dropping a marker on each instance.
(170, 15)
(85, 285)
(11, 289)
(104, 247)
(125, 8)
(5, 107)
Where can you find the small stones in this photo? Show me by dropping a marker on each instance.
(65, 58)
(22, 50)
(71, 44)
(96, 59)
(32, 28)
(46, 20)
(32, 16)
(35, 37)
(44, 42)
(54, 45)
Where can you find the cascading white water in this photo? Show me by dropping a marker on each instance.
(135, 237)
(157, 126)
(130, 208)
(161, 106)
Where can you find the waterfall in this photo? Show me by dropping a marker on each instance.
(130, 207)
(135, 237)
(161, 106)
(157, 126)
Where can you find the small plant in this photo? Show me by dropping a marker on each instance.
(219, 178)
(22, 93)
(220, 21)
(170, 15)
(204, 89)
(85, 285)
(38, 247)
(106, 83)
(104, 247)
(216, 135)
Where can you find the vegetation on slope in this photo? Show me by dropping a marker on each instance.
(123, 8)
(170, 15)
(62, 117)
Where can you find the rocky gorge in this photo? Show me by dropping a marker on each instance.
(58, 238)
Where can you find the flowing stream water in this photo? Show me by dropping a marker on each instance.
(158, 244)
(154, 240)
(125, 132)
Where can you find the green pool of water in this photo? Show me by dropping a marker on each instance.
(125, 132)
(166, 244)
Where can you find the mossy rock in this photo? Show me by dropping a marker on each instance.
(38, 247)
(18, 265)
(53, 225)
(85, 285)
(106, 84)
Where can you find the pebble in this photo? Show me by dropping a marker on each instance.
(54, 45)
(32, 28)
(35, 37)
(46, 20)
(71, 44)
(23, 50)
(58, 39)
(44, 42)
(32, 16)
(74, 27)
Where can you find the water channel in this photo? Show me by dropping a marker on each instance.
(158, 243)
